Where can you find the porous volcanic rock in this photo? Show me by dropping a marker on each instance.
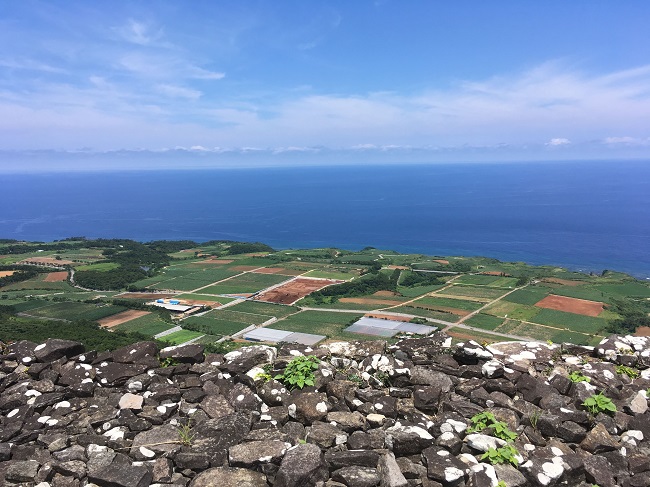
(376, 415)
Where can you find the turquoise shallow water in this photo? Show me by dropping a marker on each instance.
(588, 216)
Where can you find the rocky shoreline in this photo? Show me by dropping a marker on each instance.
(376, 415)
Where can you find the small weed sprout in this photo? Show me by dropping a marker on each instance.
(185, 433)
(534, 418)
(577, 376)
(629, 371)
(168, 362)
(501, 483)
(599, 403)
(266, 375)
(299, 372)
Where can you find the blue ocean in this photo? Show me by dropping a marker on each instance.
(586, 216)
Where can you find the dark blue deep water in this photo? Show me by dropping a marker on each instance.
(588, 216)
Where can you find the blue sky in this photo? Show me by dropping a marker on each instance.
(296, 82)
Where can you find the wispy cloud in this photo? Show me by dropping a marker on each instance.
(550, 106)
(140, 33)
(178, 92)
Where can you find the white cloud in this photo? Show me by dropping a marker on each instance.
(626, 141)
(139, 32)
(178, 92)
(558, 141)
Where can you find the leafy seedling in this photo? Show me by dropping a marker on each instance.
(299, 372)
(577, 376)
(629, 371)
(599, 403)
(504, 454)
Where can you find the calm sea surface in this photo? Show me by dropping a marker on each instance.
(587, 216)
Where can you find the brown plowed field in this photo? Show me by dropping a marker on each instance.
(442, 261)
(642, 331)
(56, 276)
(7, 273)
(387, 302)
(382, 316)
(571, 305)
(294, 290)
(400, 267)
(278, 270)
(123, 317)
(564, 282)
(144, 296)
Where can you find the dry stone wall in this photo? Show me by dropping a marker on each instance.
(391, 416)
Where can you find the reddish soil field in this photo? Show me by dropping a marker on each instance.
(294, 290)
(144, 296)
(56, 276)
(564, 282)
(243, 268)
(642, 331)
(401, 267)
(571, 305)
(382, 316)
(442, 261)
(387, 302)
(123, 317)
(7, 273)
(495, 273)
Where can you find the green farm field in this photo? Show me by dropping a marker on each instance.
(72, 311)
(571, 321)
(99, 266)
(490, 281)
(320, 323)
(181, 336)
(215, 326)
(486, 322)
(427, 313)
(478, 292)
(266, 309)
(250, 282)
(149, 325)
(415, 291)
(204, 297)
(448, 303)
